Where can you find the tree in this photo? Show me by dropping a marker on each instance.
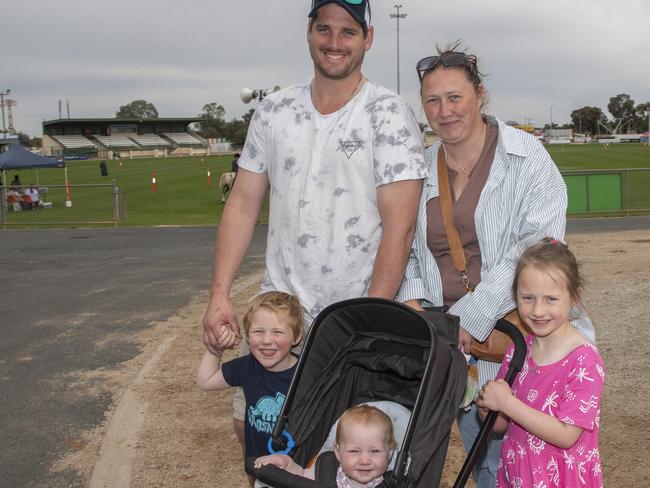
(137, 109)
(27, 141)
(622, 109)
(641, 114)
(212, 122)
(248, 116)
(585, 120)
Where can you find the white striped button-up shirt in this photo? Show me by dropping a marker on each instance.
(524, 200)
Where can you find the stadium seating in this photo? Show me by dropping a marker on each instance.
(150, 140)
(74, 142)
(117, 141)
(183, 139)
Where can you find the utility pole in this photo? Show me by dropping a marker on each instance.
(10, 117)
(397, 16)
(551, 108)
(2, 105)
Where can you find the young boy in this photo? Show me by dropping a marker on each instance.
(273, 325)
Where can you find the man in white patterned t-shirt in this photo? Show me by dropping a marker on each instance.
(342, 158)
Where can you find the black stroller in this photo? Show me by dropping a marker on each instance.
(370, 349)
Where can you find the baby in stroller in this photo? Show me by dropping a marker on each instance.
(364, 444)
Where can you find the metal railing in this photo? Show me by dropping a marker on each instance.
(91, 206)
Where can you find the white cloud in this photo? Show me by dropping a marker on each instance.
(181, 55)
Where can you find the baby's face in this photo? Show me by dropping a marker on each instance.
(363, 452)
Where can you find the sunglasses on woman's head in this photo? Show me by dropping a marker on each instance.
(448, 59)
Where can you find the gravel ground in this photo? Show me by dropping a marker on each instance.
(185, 437)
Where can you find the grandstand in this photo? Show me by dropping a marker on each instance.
(116, 142)
(124, 137)
(182, 139)
(150, 140)
(75, 142)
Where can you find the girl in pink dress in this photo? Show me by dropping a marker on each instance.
(552, 412)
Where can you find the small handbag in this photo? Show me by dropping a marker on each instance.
(493, 348)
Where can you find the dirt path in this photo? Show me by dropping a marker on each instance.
(164, 432)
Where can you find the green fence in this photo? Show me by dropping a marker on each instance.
(612, 192)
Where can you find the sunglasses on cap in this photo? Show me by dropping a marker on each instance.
(358, 9)
(449, 59)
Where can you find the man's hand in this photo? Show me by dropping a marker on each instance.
(227, 338)
(464, 340)
(220, 313)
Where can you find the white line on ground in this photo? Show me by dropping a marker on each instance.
(114, 466)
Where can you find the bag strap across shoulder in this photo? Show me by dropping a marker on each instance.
(458, 258)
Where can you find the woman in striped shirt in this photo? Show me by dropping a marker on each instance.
(506, 195)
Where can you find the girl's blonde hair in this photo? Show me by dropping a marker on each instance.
(366, 415)
(277, 301)
(552, 255)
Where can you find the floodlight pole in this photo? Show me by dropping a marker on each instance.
(397, 16)
(2, 104)
(551, 108)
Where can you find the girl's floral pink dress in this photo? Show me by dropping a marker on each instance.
(569, 390)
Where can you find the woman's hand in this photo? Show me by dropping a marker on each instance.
(464, 340)
(414, 304)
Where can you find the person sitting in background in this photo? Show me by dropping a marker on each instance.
(13, 198)
(32, 196)
(16, 184)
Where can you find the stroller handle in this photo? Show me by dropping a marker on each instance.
(516, 363)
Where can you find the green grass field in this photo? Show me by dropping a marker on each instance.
(595, 156)
(183, 196)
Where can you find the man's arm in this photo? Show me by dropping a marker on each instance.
(233, 238)
(398, 205)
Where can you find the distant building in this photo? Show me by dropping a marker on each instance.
(558, 136)
(108, 138)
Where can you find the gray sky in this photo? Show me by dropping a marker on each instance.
(182, 54)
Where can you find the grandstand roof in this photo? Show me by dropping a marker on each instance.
(157, 120)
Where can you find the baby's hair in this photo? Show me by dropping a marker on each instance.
(553, 255)
(277, 301)
(366, 415)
